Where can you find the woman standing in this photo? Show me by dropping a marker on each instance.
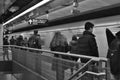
(59, 44)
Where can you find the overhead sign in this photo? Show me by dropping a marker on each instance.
(37, 21)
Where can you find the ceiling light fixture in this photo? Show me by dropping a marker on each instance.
(14, 8)
(28, 10)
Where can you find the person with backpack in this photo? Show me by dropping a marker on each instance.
(35, 41)
(114, 56)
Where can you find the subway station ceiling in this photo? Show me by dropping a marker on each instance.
(11, 8)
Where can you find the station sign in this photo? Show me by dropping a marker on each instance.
(37, 21)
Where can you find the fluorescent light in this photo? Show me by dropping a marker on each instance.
(28, 10)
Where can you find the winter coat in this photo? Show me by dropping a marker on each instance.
(12, 41)
(5, 41)
(87, 45)
(114, 56)
(73, 49)
(60, 48)
(19, 41)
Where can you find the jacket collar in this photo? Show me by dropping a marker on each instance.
(88, 33)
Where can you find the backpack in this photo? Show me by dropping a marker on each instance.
(33, 42)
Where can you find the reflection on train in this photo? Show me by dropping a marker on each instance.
(46, 35)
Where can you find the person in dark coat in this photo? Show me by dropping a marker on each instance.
(87, 44)
(114, 56)
(5, 48)
(12, 41)
(25, 42)
(19, 40)
(73, 47)
(35, 40)
(73, 50)
(5, 40)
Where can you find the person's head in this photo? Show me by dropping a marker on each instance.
(58, 39)
(35, 32)
(89, 26)
(118, 34)
(25, 38)
(12, 37)
(6, 37)
(74, 38)
(57, 33)
(20, 37)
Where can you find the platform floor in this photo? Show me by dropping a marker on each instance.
(4, 76)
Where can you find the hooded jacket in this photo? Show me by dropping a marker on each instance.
(73, 46)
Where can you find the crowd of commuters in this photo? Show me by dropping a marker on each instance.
(81, 45)
(34, 41)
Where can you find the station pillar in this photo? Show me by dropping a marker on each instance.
(1, 39)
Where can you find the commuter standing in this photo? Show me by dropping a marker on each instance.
(87, 43)
(73, 47)
(114, 56)
(19, 40)
(87, 46)
(35, 40)
(59, 44)
(5, 48)
(73, 50)
(12, 41)
(5, 40)
(25, 42)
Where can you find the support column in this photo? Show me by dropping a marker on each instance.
(1, 39)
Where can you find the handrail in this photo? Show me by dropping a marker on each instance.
(80, 69)
(91, 59)
(96, 74)
(61, 53)
(92, 73)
